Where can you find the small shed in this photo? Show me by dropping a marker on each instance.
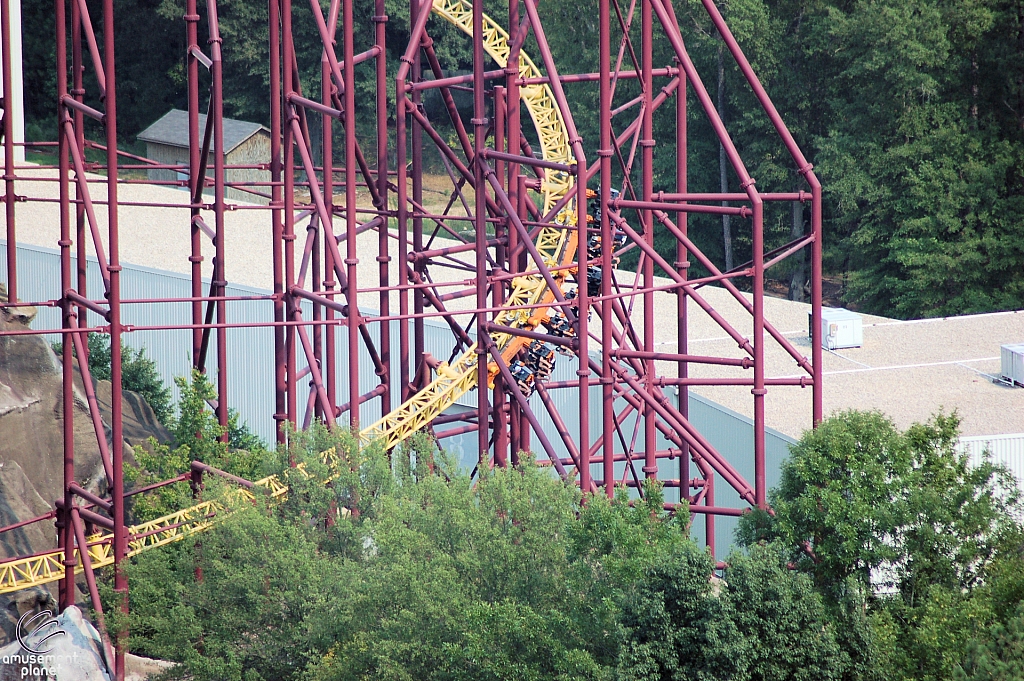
(246, 144)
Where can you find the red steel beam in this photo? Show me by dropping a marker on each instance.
(500, 217)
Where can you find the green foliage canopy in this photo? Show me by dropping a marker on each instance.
(407, 569)
(899, 523)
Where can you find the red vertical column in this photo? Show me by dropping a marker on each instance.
(583, 298)
(500, 409)
(288, 231)
(416, 72)
(709, 523)
(219, 271)
(512, 117)
(479, 131)
(521, 211)
(9, 198)
(351, 259)
(759, 387)
(683, 268)
(401, 159)
(817, 409)
(380, 19)
(326, 356)
(327, 141)
(605, 158)
(317, 332)
(67, 585)
(114, 267)
(195, 181)
(647, 171)
(78, 92)
(277, 228)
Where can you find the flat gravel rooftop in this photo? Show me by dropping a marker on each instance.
(906, 369)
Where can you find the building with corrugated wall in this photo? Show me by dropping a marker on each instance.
(1006, 450)
(251, 378)
(246, 144)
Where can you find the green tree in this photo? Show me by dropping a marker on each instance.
(789, 632)
(842, 497)
(246, 617)
(860, 499)
(761, 621)
(918, 156)
(680, 627)
(897, 524)
(997, 657)
(138, 372)
(402, 568)
(474, 584)
(196, 434)
(996, 651)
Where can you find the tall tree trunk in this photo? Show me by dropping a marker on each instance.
(799, 276)
(723, 166)
(1020, 72)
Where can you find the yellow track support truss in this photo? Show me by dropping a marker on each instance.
(539, 100)
(557, 245)
(22, 573)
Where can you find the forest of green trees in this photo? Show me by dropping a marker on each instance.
(911, 110)
(886, 558)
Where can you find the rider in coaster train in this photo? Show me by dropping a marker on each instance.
(594, 248)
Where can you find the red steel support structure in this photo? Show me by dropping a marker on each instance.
(460, 266)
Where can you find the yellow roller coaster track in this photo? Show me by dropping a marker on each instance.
(539, 101)
(557, 246)
(22, 573)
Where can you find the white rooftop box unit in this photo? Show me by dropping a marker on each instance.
(1012, 361)
(840, 328)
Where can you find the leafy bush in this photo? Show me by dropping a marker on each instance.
(196, 435)
(138, 372)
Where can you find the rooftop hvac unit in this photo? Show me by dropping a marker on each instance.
(1012, 357)
(840, 328)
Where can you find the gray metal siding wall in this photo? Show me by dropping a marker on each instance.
(251, 362)
(250, 358)
(732, 434)
(729, 432)
(251, 353)
(1007, 450)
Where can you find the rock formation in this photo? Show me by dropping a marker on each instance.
(32, 452)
